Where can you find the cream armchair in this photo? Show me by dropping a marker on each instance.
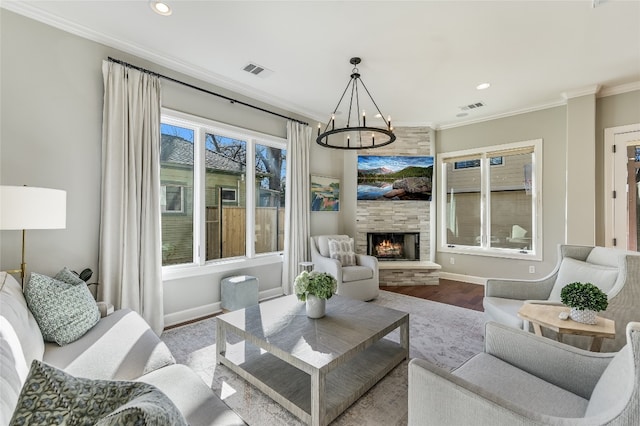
(359, 281)
(616, 272)
(524, 379)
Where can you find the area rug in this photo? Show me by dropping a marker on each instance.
(442, 334)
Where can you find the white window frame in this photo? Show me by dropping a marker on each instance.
(485, 153)
(201, 126)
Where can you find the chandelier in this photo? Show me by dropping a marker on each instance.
(358, 135)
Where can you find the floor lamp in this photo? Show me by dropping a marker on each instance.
(27, 207)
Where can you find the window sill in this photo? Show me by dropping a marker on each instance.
(228, 265)
(492, 252)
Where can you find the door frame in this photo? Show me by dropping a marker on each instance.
(615, 179)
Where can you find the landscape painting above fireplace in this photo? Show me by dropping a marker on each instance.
(393, 178)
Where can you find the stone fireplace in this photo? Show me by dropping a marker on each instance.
(394, 245)
(399, 217)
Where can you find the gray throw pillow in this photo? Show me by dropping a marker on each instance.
(51, 396)
(64, 311)
(342, 250)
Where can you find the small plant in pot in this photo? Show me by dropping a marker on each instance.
(315, 288)
(585, 300)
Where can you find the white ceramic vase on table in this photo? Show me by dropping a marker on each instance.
(585, 316)
(315, 306)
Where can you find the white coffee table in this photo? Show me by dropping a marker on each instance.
(315, 368)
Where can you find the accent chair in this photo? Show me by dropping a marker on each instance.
(616, 272)
(357, 274)
(524, 379)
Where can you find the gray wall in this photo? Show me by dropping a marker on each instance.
(51, 124)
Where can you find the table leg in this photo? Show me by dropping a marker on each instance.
(221, 341)
(318, 398)
(404, 338)
(596, 344)
(537, 329)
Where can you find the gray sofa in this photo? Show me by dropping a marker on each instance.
(524, 379)
(616, 272)
(121, 346)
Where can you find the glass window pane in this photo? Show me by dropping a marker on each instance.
(511, 202)
(463, 202)
(270, 198)
(176, 180)
(225, 197)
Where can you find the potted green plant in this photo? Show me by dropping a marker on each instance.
(315, 288)
(585, 300)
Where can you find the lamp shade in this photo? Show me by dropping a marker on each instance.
(27, 207)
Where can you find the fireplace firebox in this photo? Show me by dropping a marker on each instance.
(394, 245)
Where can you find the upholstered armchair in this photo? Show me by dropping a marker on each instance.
(357, 274)
(616, 272)
(524, 379)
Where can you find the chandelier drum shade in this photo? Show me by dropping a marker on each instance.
(356, 134)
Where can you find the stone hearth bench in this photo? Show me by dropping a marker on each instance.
(399, 273)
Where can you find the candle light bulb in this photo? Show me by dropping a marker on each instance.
(364, 119)
(333, 121)
(318, 129)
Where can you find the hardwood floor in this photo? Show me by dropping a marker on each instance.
(456, 293)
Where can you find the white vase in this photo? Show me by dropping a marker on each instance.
(585, 316)
(315, 306)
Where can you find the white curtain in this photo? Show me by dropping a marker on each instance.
(297, 214)
(130, 262)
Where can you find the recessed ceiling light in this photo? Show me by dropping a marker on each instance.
(483, 86)
(160, 8)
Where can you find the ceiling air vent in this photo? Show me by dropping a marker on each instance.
(472, 106)
(257, 70)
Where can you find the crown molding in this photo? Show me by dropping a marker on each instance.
(584, 91)
(617, 90)
(503, 115)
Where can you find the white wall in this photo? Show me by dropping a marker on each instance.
(51, 116)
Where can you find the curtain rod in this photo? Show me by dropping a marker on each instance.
(232, 100)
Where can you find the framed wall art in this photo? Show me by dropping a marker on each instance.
(325, 194)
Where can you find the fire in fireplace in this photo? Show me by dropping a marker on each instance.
(394, 245)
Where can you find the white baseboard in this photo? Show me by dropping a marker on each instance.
(463, 278)
(187, 315)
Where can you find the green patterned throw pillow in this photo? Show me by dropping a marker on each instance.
(51, 396)
(65, 311)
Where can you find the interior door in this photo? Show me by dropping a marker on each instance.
(633, 198)
(622, 206)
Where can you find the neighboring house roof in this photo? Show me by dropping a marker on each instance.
(177, 150)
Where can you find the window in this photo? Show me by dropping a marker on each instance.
(228, 195)
(229, 184)
(489, 200)
(171, 201)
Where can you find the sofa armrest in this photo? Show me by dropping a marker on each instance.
(328, 265)
(368, 261)
(519, 290)
(437, 396)
(570, 368)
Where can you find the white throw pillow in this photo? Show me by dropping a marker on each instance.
(572, 270)
(342, 250)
